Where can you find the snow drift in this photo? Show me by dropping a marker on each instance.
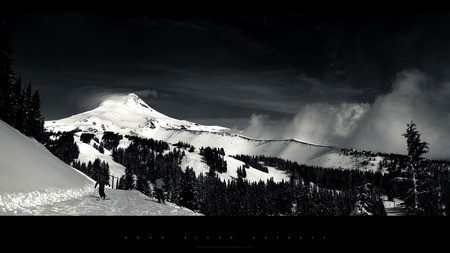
(31, 175)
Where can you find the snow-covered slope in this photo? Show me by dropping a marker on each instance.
(34, 182)
(118, 203)
(196, 161)
(30, 175)
(89, 153)
(129, 115)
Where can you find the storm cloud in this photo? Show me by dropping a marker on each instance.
(377, 126)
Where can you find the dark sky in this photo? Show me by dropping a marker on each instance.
(222, 67)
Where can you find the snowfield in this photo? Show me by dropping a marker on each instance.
(196, 161)
(34, 182)
(31, 175)
(117, 203)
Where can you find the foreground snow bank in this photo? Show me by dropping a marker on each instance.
(24, 202)
(30, 175)
(117, 203)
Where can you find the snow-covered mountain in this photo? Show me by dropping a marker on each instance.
(130, 115)
(126, 115)
(35, 182)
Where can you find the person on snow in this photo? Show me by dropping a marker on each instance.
(159, 184)
(101, 183)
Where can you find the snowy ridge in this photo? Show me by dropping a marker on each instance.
(284, 140)
(301, 152)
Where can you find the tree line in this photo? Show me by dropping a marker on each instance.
(338, 179)
(93, 169)
(214, 158)
(20, 107)
(209, 195)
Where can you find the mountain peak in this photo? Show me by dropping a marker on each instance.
(131, 100)
(135, 101)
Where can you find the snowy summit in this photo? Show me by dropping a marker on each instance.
(127, 115)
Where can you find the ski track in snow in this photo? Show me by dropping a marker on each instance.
(117, 203)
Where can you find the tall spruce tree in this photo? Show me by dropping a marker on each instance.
(142, 184)
(18, 108)
(7, 76)
(188, 189)
(35, 121)
(416, 148)
(127, 180)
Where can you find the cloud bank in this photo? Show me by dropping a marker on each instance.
(377, 126)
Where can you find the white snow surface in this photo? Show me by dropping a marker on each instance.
(129, 115)
(196, 161)
(31, 175)
(35, 182)
(117, 203)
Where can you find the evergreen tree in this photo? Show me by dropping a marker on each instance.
(127, 181)
(27, 96)
(64, 147)
(101, 149)
(188, 197)
(86, 137)
(142, 184)
(96, 169)
(241, 173)
(7, 76)
(110, 140)
(416, 148)
(18, 106)
(35, 124)
(302, 199)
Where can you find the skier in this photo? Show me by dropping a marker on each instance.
(159, 183)
(101, 183)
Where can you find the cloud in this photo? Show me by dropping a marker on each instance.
(147, 93)
(328, 124)
(414, 97)
(258, 128)
(320, 123)
(89, 97)
(377, 126)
